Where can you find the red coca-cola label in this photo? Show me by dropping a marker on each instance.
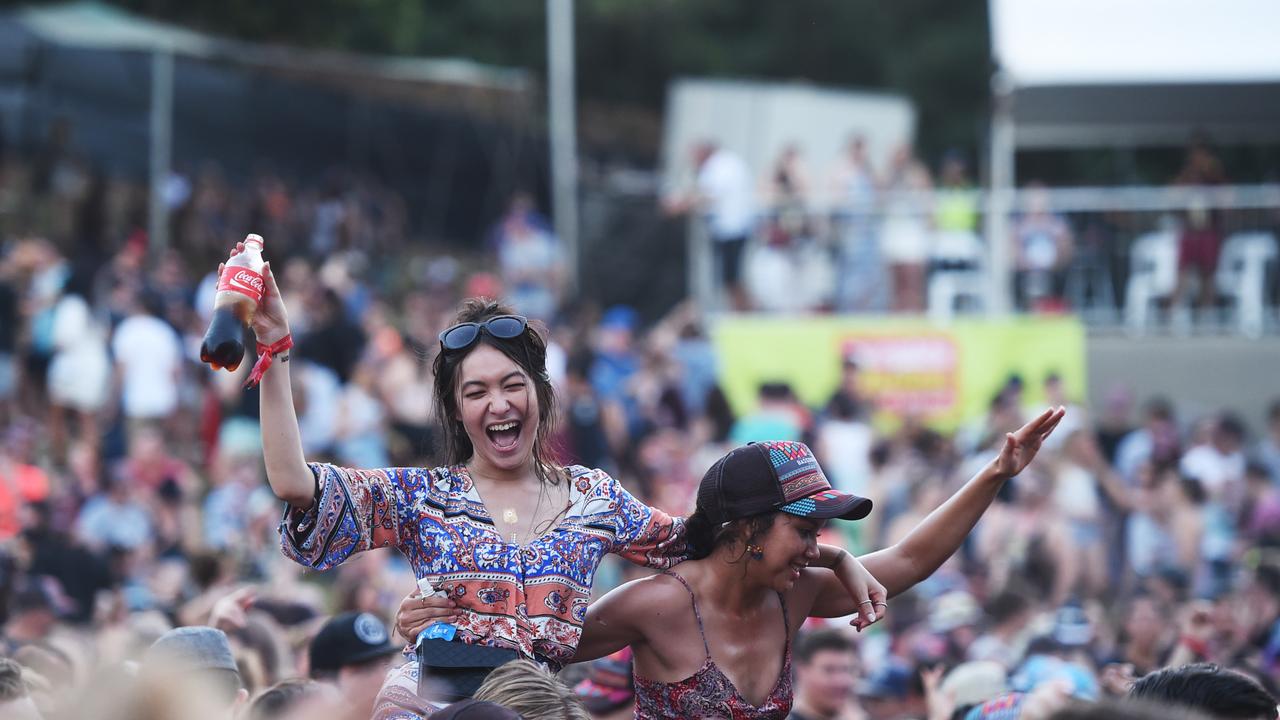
(243, 281)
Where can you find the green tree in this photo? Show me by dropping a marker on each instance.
(933, 51)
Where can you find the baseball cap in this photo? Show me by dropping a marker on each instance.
(349, 639)
(774, 475)
(194, 648)
(475, 710)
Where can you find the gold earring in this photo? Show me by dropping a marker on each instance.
(755, 551)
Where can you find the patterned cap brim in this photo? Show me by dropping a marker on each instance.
(829, 504)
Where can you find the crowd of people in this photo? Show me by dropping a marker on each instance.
(868, 236)
(884, 226)
(140, 534)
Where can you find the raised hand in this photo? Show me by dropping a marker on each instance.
(1020, 447)
(230, 612)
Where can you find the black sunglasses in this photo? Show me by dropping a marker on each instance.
(464, 335)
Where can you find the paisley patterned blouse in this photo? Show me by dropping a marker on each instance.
(531, 598)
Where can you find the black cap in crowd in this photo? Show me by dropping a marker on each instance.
(349, 639)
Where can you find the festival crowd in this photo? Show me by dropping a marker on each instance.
(137, 526)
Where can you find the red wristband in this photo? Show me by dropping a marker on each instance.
(267, 353)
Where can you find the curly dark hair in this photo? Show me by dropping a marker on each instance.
(529, 351)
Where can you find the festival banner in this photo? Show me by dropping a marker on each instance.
(942, 375)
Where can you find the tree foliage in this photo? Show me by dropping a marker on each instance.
(933, 51)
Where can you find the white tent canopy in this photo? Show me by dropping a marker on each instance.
(1091, 73)
(1127, 42)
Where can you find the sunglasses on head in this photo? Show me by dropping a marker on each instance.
(464, 335)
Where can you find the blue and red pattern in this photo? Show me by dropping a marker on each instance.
(530, 598)
(797, 469)
(1003, 707)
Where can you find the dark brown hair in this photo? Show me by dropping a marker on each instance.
(529, 351)
(703, 536)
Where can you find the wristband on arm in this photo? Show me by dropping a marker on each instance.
(267, 353)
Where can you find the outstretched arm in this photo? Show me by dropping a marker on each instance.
(939, 535)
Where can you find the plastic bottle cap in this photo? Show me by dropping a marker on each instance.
(426, 587)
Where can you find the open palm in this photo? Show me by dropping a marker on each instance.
(1021, 446)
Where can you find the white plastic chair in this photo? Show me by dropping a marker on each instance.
(947, 285)
(1153, 273)
(1241, 278)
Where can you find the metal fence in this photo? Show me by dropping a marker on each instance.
(1143, 260)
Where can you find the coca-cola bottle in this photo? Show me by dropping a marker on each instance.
(240, 290)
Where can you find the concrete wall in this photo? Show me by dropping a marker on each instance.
(1199, 375)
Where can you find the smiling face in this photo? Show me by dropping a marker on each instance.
(789, 546)
(498, 408)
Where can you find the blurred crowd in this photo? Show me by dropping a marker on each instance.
(133, 498)
(869, 237)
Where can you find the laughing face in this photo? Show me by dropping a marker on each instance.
(789, 547)
(498, 407)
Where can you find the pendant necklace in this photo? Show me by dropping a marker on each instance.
(510, 517)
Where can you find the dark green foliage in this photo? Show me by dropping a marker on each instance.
(934, 51)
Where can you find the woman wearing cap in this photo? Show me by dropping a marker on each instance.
(712, 636)
(513, 538)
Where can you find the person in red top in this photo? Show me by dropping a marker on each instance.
(20, 485)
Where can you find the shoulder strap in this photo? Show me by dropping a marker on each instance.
(786, 621)
(693, 600)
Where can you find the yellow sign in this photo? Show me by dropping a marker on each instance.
(944, 375)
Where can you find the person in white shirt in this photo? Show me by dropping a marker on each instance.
(148, 357)
(79, 376)
(724, 192)
(1219, 464)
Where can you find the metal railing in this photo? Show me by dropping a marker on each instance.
(1142, 259)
